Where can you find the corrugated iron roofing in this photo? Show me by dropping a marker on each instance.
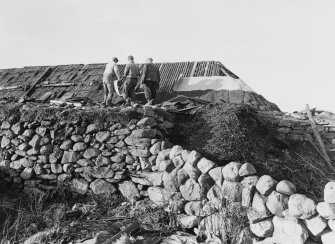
(87, 78)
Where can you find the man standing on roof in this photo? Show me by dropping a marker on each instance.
(150, 80)
(111, 74)
(131, 72)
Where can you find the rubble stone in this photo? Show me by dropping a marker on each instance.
(286, 187)
(326, 210)
(301, 206)
(329, 192)
(79, 185)
(286, 231)
(230, 171)
(102, 187)
(247, 169)
(266, 184)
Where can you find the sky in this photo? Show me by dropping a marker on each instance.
(283, 49)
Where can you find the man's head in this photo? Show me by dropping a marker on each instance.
(130, 58)
(115, 60)
(149, 60)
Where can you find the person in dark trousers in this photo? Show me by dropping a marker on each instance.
(131, 72)
(150, 79)
(111, 74)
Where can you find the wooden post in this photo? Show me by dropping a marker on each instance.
(318, 137)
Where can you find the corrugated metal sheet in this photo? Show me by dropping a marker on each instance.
(87, 78)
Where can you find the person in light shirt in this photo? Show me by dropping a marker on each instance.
(111, 74)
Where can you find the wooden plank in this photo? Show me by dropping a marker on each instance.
(45, 73)
(206, 68)
(318, 137)
(193, 69)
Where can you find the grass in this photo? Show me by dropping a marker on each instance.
(227, 132)
(44, 216)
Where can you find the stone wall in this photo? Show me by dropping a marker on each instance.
(197, 190)
(297, 127)
(86, 157)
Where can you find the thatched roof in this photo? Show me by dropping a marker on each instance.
(85, 79)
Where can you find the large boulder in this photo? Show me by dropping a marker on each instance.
(277, 203)
(129, 190)
(191, 191)
(27, 173)
(189, 221)
(328, 237)
(193, 158)
(300, 206)
(143, 142)
(192, 171)
(315, 224)
(102, 187)
(286, 187)
(204, 165)
(266, 184)
(5, 141)
(102, 136)
(216, 174)
(287, 231)
(175, 151)
(69, 157)
(263, 228)
(230, 171)
(79, 185)
(326, 210)
(247, 169)
(91, 153)
(79, 146)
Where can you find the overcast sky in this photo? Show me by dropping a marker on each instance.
(283, 49)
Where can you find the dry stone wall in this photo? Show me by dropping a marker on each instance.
(198, 191)
(297, 127)
(95, 157)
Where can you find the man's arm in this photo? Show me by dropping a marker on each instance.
(117, 72)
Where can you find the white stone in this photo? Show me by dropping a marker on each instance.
(328, 237)
(263, 228)
(216, 174)
(230, 171)
(175, 151)
(286, 187)
(277, 203)
(204, 165)
(326, 210)
(331, 224)
(189, 221)
(266, 184)
(315, 224)
(286, 231)
(300, 206)
(329, 192)
(247, 169)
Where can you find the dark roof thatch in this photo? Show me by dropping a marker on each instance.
(86, 79)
